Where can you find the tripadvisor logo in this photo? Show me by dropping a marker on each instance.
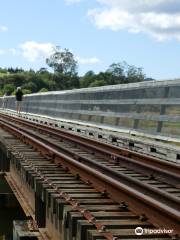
(138, 231)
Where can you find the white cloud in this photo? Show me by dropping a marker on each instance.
(113, 18)
(33, 51)
(3, 29)
(144, 5)
(93, 60)
(158, 18)
(2, 51)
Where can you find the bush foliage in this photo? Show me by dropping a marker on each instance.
(65, 76)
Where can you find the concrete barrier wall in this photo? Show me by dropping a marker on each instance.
(152, 107)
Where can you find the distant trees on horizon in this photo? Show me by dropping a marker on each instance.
(65, 75)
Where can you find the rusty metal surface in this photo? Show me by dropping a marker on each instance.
(134, 160)
(157, 213)
(145, 184)
(66, 206)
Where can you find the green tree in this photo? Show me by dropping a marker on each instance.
(43, 90)
(98, 83)
(1, 93)
(117, 69)
(8, 88)
(117, 73)
(135, 74)
(125, 73)
(87, 79)
(42, 70)
(3, 70)
(62, 61)
(26, 91)
(31, 86)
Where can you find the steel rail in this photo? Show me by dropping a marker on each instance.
(161, 169)
(75, 203)
(144, 188)
(158, 213)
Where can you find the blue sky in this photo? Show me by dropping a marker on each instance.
(98, 32)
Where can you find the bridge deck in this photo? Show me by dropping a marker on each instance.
(167, 148)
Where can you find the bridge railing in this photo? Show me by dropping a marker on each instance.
(151, 107)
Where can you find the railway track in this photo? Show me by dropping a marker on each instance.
(68, 191)
(148, 189)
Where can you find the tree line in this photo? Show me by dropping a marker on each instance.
(65, 75)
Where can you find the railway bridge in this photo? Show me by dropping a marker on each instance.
(94, 164)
